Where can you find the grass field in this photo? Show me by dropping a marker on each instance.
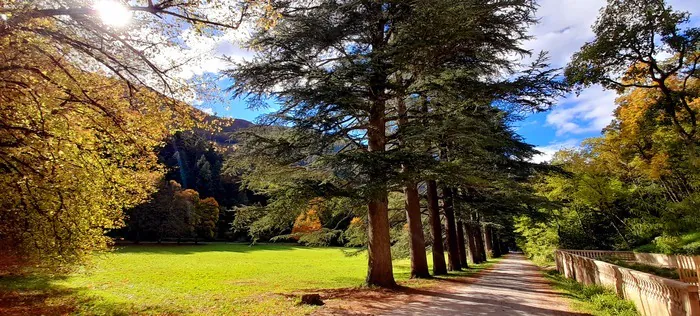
(195, 279)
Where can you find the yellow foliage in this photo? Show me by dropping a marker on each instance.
(356, 221)
(308, 221)
(76, 147)
(659, 166)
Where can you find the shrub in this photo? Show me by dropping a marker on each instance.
(537, 240)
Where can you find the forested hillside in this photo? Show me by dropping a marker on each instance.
(193, 161)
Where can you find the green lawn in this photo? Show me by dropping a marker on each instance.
(201, 279)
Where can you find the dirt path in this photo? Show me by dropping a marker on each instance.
(513, 287)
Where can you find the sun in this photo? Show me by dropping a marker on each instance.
(113, 12)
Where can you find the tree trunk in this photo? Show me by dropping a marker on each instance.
(496, 244)
(416, 241)
(379, 269)
(452, 247)
(488, 242)
(460, 245)
(439, 265)
(481, 252)
(471, 241)
(419, 261)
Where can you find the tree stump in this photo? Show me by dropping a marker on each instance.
(311, 299)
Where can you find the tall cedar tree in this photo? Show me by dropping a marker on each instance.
(486, 158)
(334, 67)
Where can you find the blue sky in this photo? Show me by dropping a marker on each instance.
(564, 26)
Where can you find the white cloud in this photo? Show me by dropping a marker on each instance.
(591, 111)
(564, 25)
(191, 59)
(209, 111)
(547, 152)
(205, 54)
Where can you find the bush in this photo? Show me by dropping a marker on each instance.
(668, 244)
(692, 248)
(537, 240)
(687, 244)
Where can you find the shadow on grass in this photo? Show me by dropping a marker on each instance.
(38, 294)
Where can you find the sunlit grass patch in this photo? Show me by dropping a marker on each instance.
(208, 279)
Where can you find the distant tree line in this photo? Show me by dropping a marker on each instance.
(193, 178)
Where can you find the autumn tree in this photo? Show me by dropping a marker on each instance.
(646, 45)
(309, 221)
(68, 160)
(85, 102)
(206, 218)
(636, 184)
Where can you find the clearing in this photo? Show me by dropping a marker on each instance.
(208, 279)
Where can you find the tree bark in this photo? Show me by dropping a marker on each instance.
(488, 241)
(439, 265)
(451, 229)
(460, 245)
(496, 244)
(481, 252)
(379, 268)
(471, 241)
(419, 260)
(416, 241)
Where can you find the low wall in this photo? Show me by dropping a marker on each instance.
(657, 259)
(688, 267)
(652, 295)
(595, 254)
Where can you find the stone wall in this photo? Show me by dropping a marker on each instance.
(651, 294)
(657, 260)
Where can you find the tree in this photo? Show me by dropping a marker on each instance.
(631, 38)
(439, 265)
(419, 261)
(173, 212)
(335, 67)
(451, 230)
(79, 119)
(634, 185)
(307, 222)
(207, 218)
(69, 163)
(141, 59)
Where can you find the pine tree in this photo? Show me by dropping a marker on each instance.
(339, 70)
